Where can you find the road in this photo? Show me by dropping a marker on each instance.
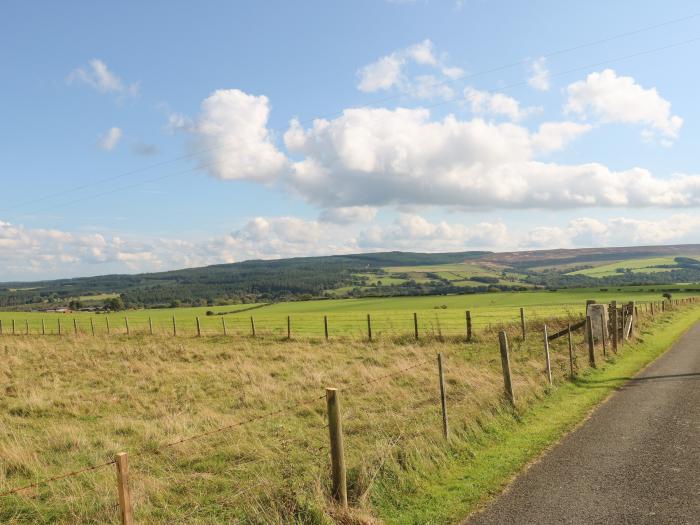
(635, 461)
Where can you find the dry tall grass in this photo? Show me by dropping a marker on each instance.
(74, 401)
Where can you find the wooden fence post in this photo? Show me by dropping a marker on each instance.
(443, 398)
(624, 322)
(26, 326)
(150, 325)
(126, 323)
(571, 351)
(522, 322)
(613, 307)
(547, 359)
(199, 328)
(252, 325)
(92, 326)
(43, 327)
(1, 332)
(174, 327)
(109, 330)
(591, 345)
(289, 327)
(223, 325)
(652, 308)
(335, 429)
(369, 327)
(75, 327)
(469, 325)
(13, 327)
(602, 333)
(415, 325)
(325, 326)
(59, 326)
(125, 508)
(505, 364)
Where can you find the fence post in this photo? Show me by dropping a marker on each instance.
(469, 325)
(150, 325)
(624, 322)
(26, 326)
(505, 364)
(223, 325)
(613, 307)
(174, 327)
(652, 308)
(443, 398)
(43, 327)
(325, 326)
(199, 328)
(92, 326)
(415, 325)
(369, 327)
(547, 359)
(252, 325)
(591, 345)
(602, 333)
(59, 326)
(522, 322)
(13, 327)
(1, 332)
(289, 327)
(125, 508)
(109, 330)
(126, 323)
(335, 429)
(571, 351)
(75, 327)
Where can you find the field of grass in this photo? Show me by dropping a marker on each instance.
(255, 411)
(647, 265)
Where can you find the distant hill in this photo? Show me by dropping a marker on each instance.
(369, 274)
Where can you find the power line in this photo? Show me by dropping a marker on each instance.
(368, 105)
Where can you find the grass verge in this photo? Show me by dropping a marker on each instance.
(504, 445)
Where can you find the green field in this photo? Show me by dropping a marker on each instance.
(648, 265)
(437, 315)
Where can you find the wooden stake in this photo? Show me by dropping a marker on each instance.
(223, 325)
(252, 325)
(150, 325)
(26, 326)
(1, 332)
(13, 327)
(591, 345)
(325, 326)
(335, 429)
(547, 360)
(199, 328)
(443, 398)
(125, 507)
(92, 327)
(415, 325)
(505, 364)
(109, 330)
(289, 327)
(469, 325)
(126, 323)
(369, 327)
(522, 323)
(571, 351)
(59, 326)
(43, 327)
(75, 327)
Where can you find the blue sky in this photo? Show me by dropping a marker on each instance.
(139, 137)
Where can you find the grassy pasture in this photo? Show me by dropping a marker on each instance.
(392, 316)
(76, 401)
(646, 265)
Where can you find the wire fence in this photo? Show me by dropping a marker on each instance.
(620, 331)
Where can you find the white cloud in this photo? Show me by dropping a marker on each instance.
(110, 139)
(611, 98)
(554, 136)
(348, 215)
(232, 131)
(382, 74)
(98, 76)
(485, 103)
(539, 75)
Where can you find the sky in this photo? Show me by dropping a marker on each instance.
(153, 136)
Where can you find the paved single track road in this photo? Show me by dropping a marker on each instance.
(635, 461)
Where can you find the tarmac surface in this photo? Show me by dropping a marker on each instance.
(635, 461)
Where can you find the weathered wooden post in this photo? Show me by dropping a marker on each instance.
(43, 327)
(591, 343)
(126, 323)
(59, 326)
(92, 327)
(624, 324)
(1, 332)
(75, 327)
(505, 364)
(415, 325)
(199, 327)
(150, 325)
(571, 351)
(443, 398)
(13, 327)
(125, 507)
(469, 325)
(109, 330)
(335, 429)
(652, 308)
(252, 325)
(325, 326)
(522, 322)
(369, 327)
(615, 321)
(547, 359)
(26, 326)
(289, 327)
(602, 333)
(174, 327)
(223, 325)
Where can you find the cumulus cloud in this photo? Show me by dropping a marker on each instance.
(608, 97)
(539, 75)
(389, 72)
(485, 103)
(348, 215)
(109, 140)
(232, 132)
(98, 76)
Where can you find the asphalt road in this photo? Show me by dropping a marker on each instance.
(635, 461)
